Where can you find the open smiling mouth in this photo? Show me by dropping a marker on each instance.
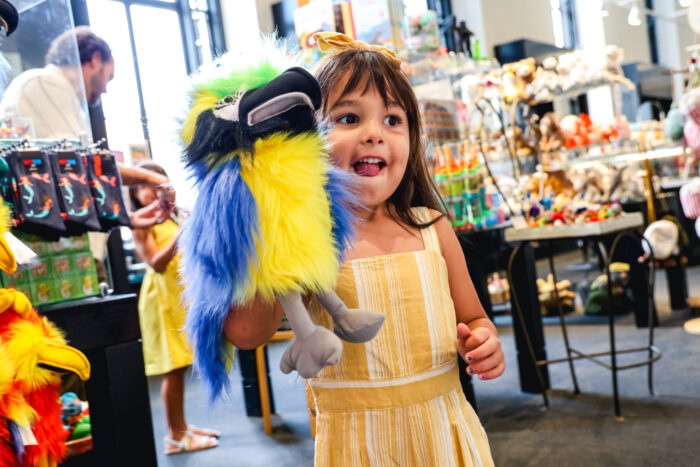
(369, 166)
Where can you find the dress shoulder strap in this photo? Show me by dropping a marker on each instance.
(429, 234)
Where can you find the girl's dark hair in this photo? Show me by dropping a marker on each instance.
(146, 165)
(367, 70)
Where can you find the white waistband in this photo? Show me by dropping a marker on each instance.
(384, 383)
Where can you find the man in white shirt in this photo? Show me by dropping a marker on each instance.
(53, 96)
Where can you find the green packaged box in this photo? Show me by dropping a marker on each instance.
(67, 288)
(19, 280)
(62, 266)
(42, 282)
(86, 273)
(68, 245)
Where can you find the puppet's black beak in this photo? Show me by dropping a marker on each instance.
(8, 17)
(287, 103)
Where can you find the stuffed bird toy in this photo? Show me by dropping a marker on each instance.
(272, 215)
(32, 353)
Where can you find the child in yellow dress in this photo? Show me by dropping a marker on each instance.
(162, 318)
(397, 399)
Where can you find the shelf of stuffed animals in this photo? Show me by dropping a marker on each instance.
(575, 92)
(629, 157)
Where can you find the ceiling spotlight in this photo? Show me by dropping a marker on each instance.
(685, 3)
(633, 18)
(604, 12)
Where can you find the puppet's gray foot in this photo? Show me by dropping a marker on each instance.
(357, 326)
(310, 354)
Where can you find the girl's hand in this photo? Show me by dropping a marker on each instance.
(148, 216)
(482, 351)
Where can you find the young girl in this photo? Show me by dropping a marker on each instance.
(162, 319)
(395, 400)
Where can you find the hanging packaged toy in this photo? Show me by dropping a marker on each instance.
(34, 193)
(73, 192)
(106, 186)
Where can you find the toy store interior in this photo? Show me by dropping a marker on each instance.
(562, 138)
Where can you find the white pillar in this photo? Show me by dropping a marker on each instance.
(591, 32)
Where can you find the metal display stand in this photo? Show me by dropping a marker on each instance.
(625, 226)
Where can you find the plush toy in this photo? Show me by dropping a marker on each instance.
(272, 215)
(32, 352)
(574, 132)
(552, 139)
(614, 57)
(519, 145)
(546, 82)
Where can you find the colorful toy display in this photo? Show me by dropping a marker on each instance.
(75, 416)
(421, 33)
(463, 184)
(282, 211)
(64, 270)
(690, 198)
(33, 350)
(499, 289)
(549, 299)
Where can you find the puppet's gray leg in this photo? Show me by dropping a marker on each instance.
(351, 325)
(313, 347)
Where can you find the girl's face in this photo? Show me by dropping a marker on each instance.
(369, 139)
(145, 194)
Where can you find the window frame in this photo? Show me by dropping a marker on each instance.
(187, 31)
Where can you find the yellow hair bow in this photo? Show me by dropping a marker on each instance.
(337, 42)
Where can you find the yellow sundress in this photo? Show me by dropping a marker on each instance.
(161, 311)
(397, 399)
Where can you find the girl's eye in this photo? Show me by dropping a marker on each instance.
(347, 119)
(392, 120)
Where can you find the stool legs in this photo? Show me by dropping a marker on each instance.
(611, 321)
(561, 319)
(262, 385)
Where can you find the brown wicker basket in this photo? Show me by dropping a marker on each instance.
(79, 446)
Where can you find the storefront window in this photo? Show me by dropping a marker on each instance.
(155, 47)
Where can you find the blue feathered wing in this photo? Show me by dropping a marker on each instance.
(218, 248)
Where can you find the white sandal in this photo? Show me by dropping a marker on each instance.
(210, 432)
(190, 442)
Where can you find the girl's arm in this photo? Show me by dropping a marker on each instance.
(148, 251)
(252, 325)
(479, 344)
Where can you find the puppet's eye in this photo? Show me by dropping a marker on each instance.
(227, 108)
(228, 100)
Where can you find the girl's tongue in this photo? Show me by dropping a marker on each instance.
(367, 169)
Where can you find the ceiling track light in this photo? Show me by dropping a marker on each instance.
(633, 18)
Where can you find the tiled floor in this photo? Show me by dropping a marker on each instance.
(243, 442)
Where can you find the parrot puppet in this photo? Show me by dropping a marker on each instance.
(272, 215)
(32, 353)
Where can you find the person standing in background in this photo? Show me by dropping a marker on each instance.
(53, 96)
(162, 317)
